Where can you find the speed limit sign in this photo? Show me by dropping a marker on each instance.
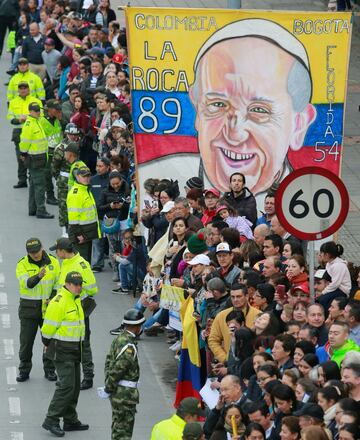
(312, 203)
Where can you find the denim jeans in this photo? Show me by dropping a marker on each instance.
(150, 321)
(126, 275)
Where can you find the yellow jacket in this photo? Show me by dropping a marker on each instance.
(35, 84)
(64, 318)
(78, 264)
(219, 339)
(169, 429)
(20, 106)
(26, 269)
(33, 140)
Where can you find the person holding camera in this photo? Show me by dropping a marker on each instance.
(114, 207)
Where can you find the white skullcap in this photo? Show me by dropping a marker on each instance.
(257, 27)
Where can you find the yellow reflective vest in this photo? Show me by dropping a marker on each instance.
(26, 269)
(169, 429)
(33, 140)
(20, 106)
(82, 213)
(78, 264)
(35, 84)
(53, 132)
(64, 318)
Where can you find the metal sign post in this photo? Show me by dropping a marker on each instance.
(311, 270)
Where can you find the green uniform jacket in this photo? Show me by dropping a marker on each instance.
(64, 328)
(122, 364)
(339, 353)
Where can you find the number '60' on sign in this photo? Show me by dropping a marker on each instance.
(312, 203)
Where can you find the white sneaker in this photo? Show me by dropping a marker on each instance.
(176, 346)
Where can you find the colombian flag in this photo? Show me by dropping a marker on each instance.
(189, 374)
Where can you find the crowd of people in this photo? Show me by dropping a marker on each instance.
(285, 361)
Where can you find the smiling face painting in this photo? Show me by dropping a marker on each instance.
(248, 111)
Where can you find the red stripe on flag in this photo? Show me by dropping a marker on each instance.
(152, 146)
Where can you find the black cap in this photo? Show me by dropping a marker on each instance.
(33, 245)
(23, 60)
(53, 103)
(73, 147)
(34, 107)
(191, 405)
(74, 278)
(23, 84)
(64, 244)
(83, 171)
(312, 410)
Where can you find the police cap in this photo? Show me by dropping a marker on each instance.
(33, 245)
(23, 84)
(83, 171)
(74, 278)
(33, 106)
(133, 317)
(191, 405)
(64, 244)
(23, 60)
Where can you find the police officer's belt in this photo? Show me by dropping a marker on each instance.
(128, 383)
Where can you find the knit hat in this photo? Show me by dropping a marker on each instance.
(195, 182)
(197, 244)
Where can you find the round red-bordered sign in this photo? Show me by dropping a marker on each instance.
(311, 187)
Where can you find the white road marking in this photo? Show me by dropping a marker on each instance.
(5, 320)
(1, 258)
(9, 347)
(3, 299)
(11, 375)
(2, 278)
(14, 406)
(16, 436)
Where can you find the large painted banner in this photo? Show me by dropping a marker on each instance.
(218, 91)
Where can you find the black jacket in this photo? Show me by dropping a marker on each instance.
(10, 8)
(108, 196)
(32, 50)
(244, 204)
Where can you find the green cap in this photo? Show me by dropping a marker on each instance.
(33, 245)
(73, 147)
(53, 103)
(192, 431)
(191, 405)
(62, 243)
(74, 278)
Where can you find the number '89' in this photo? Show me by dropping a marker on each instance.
(151, 110)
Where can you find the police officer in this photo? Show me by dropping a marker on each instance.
(62, 333)
(38, 274)
(82, 214)
(73, 261)
(17, 113)
(72, 155)
(36, 86)
(33, 150)
(53, 131)
(122, 376)
(60, 169)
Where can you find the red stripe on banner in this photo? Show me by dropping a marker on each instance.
(153, 146)
(185, 389)
(327, 157)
